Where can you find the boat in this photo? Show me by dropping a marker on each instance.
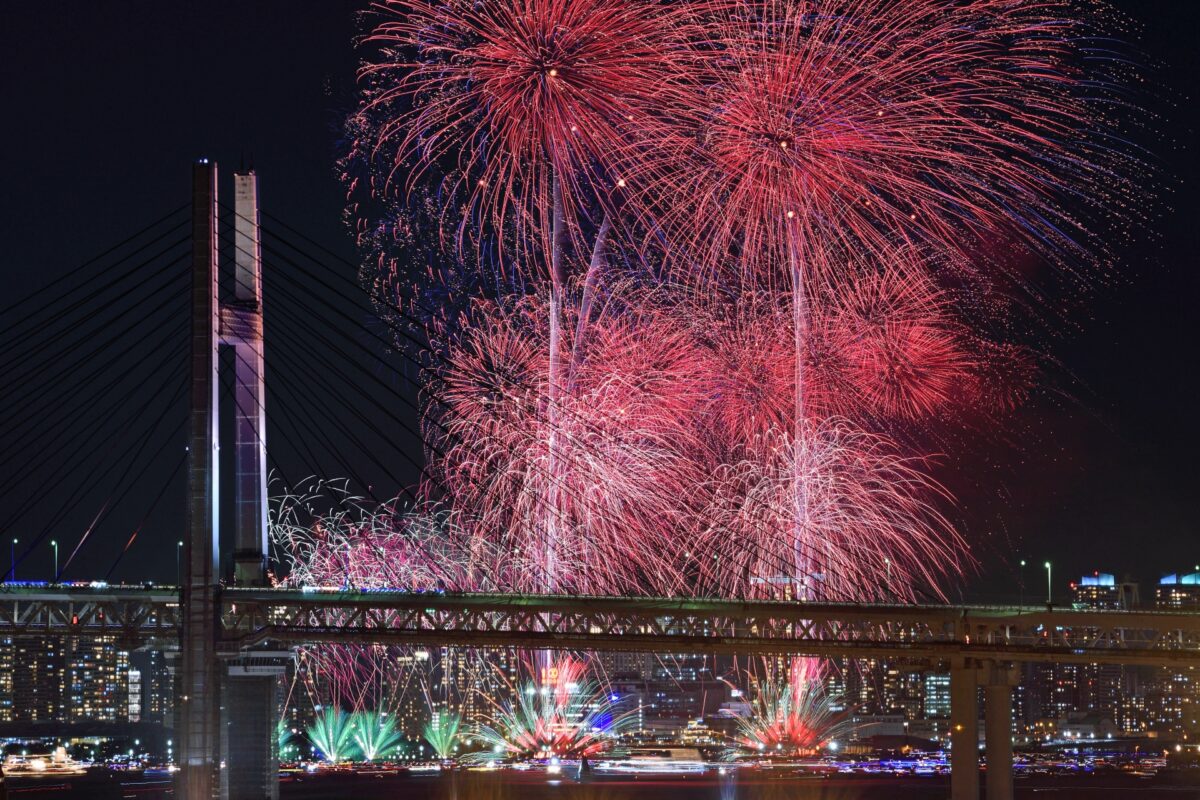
(656, 760)
(56, 764)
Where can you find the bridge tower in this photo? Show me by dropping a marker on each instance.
(242, 329)
(226, 749)
(199, 682)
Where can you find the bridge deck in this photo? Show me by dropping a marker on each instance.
(251, 617)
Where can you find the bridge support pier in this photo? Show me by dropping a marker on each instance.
(998, 723)
(964, 730)
(249, 746)
(966, 676)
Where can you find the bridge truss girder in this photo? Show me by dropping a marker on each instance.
(254, 617)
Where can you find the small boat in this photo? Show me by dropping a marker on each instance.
(57, 764)
(657, 760)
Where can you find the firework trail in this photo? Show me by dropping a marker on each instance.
(882, 349)
(509, 99)
(332, 733)
(559, 712)
(351, 543)
(442, 733)
(818, 129)
(789, 717)
(375, 734)
(874, 123)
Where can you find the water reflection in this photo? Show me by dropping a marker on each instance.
(727, 784)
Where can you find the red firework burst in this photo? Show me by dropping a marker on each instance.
(510, 96)
(877, 346)
(825, 126)
(904, 347)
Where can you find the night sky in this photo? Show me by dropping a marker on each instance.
(106, 104)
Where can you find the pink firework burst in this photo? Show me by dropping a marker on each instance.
(560, 713)
(870, 530)
(610, 491)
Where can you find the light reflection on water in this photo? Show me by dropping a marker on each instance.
(745, 784)
(730, 786)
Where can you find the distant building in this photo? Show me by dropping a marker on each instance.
(1173, 701)
(7, 663)
(1054, 691)
(1178, 591)
(157, 698)
(39, 679)
(135, 695)
(68, 679)
(937, 696)
(97, 680)
(1083, 725)
(1098, 590)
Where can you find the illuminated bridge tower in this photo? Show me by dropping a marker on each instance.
(227, 706)
(242, 329)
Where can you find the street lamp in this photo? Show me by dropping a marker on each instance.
(1049, 585)
(12, 570)
(54, 544)
(1021, 581)
(178, 549)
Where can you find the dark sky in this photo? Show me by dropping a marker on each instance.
(106, 104)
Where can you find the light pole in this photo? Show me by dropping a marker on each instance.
(54, 544)
(12, 569)
(178, 550)
(1049, 585)
(1021, 581)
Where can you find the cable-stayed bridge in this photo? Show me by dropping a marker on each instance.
(117, 444)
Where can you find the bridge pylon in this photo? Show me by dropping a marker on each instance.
(227, 749)
(199, 679)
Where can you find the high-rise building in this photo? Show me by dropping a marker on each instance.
(1173, 701)
(97, 680)
(1100, 688)
(68, 679)
(7, 665)
(626, 666)
(157, 697)
(135, 695)
(937, 696)
(39, 679)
